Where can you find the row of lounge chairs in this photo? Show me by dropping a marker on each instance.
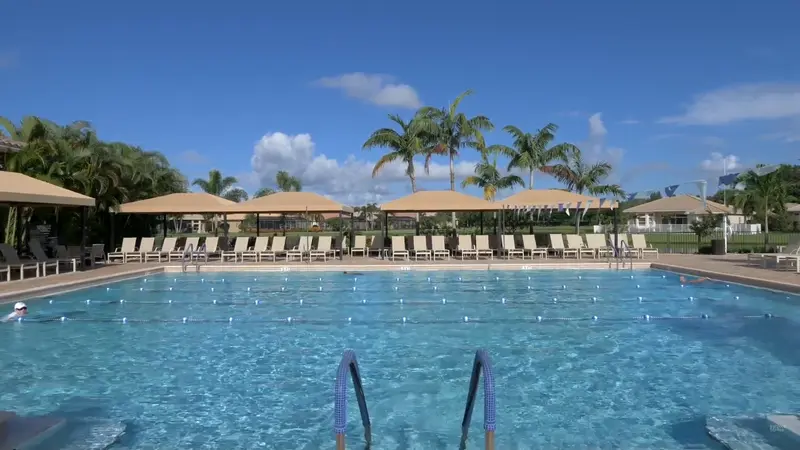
(270, 249)
(40, 263)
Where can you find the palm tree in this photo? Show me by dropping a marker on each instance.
(532, 151)
(220, 186)
(450, 130)
(762, 194)
(403, 146)
(73, 157)
(488, 178)
(582, 177)
(263, 192)
(287, 183)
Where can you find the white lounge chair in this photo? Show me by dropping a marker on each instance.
(359, 245)
(639, 245)
(421, 248)
(597, 242)
(482, 246)
(575, 241)
(323, 249)
(209, 249)
(41, 257)
(259, 247)
(376, 246)
(509, 247)
(557, 246)
(127, 250)
(191, 243)
(239, 247)
(13, 262)
(530, 247)
(278, 248)
(465, 247)
(167, 247)
(439, 248)
(300, 250)
(147, 250)
(399, 247)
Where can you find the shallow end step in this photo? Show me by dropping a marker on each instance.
(759, 432)
(20, 433)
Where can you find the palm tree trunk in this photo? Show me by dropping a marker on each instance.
(577, 222)
(530, 180)
(766, 216)
(11, 227)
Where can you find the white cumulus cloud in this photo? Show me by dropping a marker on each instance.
(761, 101)
(595, 147)
(377, 89)
(719, 163)
(348, 180)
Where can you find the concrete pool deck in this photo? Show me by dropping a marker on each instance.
(731, 268)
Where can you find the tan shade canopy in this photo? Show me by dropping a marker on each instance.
(439, 201)
(180, 203)
(22, 189)
(290, 202)
(680, 204)
(552, 197)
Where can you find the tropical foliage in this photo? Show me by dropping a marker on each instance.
(488, 178)
(405, 145)
(448, 131)
(764, 196)
(532, 151)
(221, 186)
(74, 157)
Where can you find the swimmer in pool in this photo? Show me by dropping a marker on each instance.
(353, 273)
(695, 281)
(20, 309)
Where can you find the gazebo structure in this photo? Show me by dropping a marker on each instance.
(293, 202)
(18, 190)
(180, 203)
(434, 201)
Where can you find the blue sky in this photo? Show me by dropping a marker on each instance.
(664, 91)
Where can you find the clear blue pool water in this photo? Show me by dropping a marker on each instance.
(262, 382)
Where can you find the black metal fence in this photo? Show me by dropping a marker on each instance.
(677, 242)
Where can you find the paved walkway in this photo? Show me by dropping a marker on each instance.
(731, 268)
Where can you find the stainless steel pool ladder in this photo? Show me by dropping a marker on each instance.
(192, 258)
(482, 363)
(349, 364)
(619, 254)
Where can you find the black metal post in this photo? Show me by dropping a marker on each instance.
(84, 211)
(385, 233)
(258, 224)
(112, 218)
(481, 221)
(616, 231)
(418, 217)
(341, 237)
(19, 229)
(165, 226)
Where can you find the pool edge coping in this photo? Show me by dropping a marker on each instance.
(731, 278)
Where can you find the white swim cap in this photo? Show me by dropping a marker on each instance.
(20, 305)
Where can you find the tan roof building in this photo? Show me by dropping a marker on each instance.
(439, 201)
(178, 204)
(290, 202)
(680, 204)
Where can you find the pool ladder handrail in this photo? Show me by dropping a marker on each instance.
(349, 363)
(483, 364)
(619, 253)
(186, 262)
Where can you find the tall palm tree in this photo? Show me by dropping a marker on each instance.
(450, 130)
(220, 186)
(532, 151)
(764, 194)
(582, 177)
(488, 178)
(403, 146)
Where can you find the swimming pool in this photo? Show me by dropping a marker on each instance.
(255, 362)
